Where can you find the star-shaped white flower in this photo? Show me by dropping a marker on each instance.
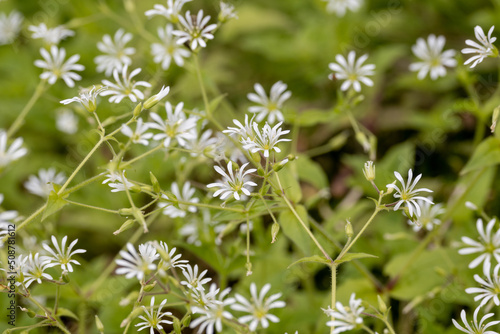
(352, 71)
(136, 264)
(42, 184)
(490, 286)
(474, 327)
(124, 86)
(154, 320)
(56, 67)
(488, 244)
(12, 152)
(408, 195)
(62, 255)
(481, 51)
(233, 183)
(340, 7)
(180, 210)
(195, 32)
(434, 60)
(139, 135)
(87, 98)
(168, 49)
(265, 140)
(271, 106)
(116, 53)
(346, 318)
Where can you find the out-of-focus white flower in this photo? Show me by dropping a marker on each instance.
(213, 315)
(136, 264)
(171, 12)
(258, 307)
(428, 215)
(244, 131)
(487, 48)
(118, 181)
(346, 318)
(154, 320)
(204, 144)
(67, 122)
(233, 183)
(203, 299)
(433, 58)
(271, 106)
(34, 269)
(191, 232)
(87, 98)
(12, 152)
(193, 280)
(488, 245)
(179, 210)
(116, 53)
(407, 194)
(490, 287)
(10, 26)
(55, 67)
(265, 140)
(138, 136)
(340, 7)
(6, 218)
(124, 86)
(195, 32)
(471, 206)
(168, 259)
(61, 255)
(176, 126)
(474, 327)
(51, 36)
(227, 12)
(43, 184)
(168, 49)
(352, 71)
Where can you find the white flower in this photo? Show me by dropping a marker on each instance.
(51, 36)
(474, 327)
(258, 307)
(204, 144)
(269, 107)
(154, 320)
(62, 255)
(6, 218)
(488, 244)
(116, 181)
(124, 86)
(116, 53)
(352, 71)
(241, 130)
(137, 265)
(11, 153)
(180, 210)
(233, 183)
(194, 281)
(227, 12)
(213, 315)
(407, 194)
(55, 67)
(66, 121)
(491, 286)
(433, 58)
(168, 259)
(171, 12)
(195, 32)
(428, 217)
(175, 126)
(10, 26)
(481, 51)
(87, 98)
(346, 318)
(201, 299)
(339, 7)
(138, 136)
(42, 184)
(168, 49)
(34, 269)
(266, 140)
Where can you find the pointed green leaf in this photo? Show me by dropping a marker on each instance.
(215, 102)
(314, 258)
(54, 204)
(486, 154)
(294, 230)
(353, 256)
(64, 312)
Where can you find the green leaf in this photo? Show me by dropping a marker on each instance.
(64, 312)
(353, 256)
(311, 172)
(294, 230)
(314, 258)
(486, 154)
(215, 102)
(54, 204)
(290, 181)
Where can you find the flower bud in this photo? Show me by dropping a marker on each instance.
(99, 325)
(155, 183)
(125, 226)
(363, 140)
(137, 110)
(177, 326)
(369, 171)
(150, 287)
(125, 212)
(471, 206)
(153, 100)
(274, 231)
(390, 189)
(249, 268)
(348, 229)
(280, 165)
(494, 119)
(381, 305)
(186, 321)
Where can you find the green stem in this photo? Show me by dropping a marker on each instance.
(202, 86)
(92, 207)
(20, 118)
(334, 292)
(28, 220)
(131, 161)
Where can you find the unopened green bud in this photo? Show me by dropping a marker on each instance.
(274, 231)
(255, 157)
(369, 171)
(279, 166)
(153, 100)
(260, 171)
(125, 212)
(186, 321)
(65, 277)
(363, 140)
(381, 305)
(137, 110)
(348, 229)
(177, 326)
(99, 325)
(494, 119)
(125, 226)
(390, 189)
(150, 287)
(248, 266)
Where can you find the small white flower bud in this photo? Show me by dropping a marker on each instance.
(369, 171)
(471, 206)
